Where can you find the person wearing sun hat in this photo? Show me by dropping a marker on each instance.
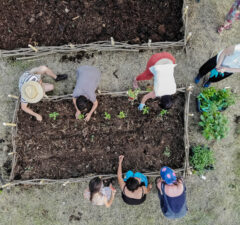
(32, 88)
(160, 67)
(172, 194)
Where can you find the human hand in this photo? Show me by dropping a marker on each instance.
(113, 189)
(221, 69)
(121, 158)
(141, 106)
(150, 186)
(88, 116)
(77, 114)
(38, 117)
(135, 84)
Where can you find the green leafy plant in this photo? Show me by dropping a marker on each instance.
(81, 116)
(145, 110)
(210, 97)
(121, 115)
(214, 124)
(167, 152)
(202, 158)
(163, 112)
(107, 116)
(54, 115)
(92, 138)
(133, 94)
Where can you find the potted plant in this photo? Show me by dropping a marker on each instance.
(222, 98)
(202, 158)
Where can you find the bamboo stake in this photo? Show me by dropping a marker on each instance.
(74, 18)
(9, 124)
(13, 96)
(33, 48)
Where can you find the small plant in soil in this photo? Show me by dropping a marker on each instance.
(54, 115)
(210, 97)
(121, 115)
(167, 152)
(81, 116)
(145, 110)
(92, 138)
(163, 112)
(107, 116)
(214, 124)
(202, 158)
(133, 94)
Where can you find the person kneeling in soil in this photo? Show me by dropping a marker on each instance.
(88, 78)
(32, 88)
(134, 187)
(172, 194)
(98, 194)
(222, 65)
(161, 67)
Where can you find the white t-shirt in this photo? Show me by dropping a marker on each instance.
(164, 82)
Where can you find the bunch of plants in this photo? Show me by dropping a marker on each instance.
(202, 158)
(221, 98)
(133, 94)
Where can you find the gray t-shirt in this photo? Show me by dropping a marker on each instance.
(88, 78)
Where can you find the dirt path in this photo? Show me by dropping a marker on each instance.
(213, 201)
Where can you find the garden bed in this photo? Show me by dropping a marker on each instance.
(69, 148)
(51, 26)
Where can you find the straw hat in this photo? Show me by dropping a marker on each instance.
(32, 92)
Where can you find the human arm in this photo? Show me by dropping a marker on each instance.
(147, 189)
(226, 52)
(94, 107)
(77, 110)
(228, 70)
(119, 173)
(148, 96)
(44, 70)
(31, 112)
(109, 203)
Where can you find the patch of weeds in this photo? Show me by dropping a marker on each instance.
(54, 115)
(202, 158)
(214, 124)
(145, 110)
(167, 152)
(163, 112)
(107, 116)
(121, 115)
(81, 116)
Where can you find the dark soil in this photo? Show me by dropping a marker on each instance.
(67, 147)
(53, 23)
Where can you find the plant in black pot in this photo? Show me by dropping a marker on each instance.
(202, 158)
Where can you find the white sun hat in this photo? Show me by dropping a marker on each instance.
(32, 92)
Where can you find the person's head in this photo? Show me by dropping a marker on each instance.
(32, 92)
(94, 186)
(166, 102)
(83, 103)
(132, 184)
(168, 175)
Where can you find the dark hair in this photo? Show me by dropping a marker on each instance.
(166, 102)
(94, 186)
(83, 103)
(132, 184)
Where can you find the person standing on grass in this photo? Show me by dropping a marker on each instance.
(32, 88)
(172, 194)
(233, 14)
(88, 78)
(222, 65)
(98, 194)
(134, 187)
(161, 67)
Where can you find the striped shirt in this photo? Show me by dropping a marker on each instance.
(27, 76)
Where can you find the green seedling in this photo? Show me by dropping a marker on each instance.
(202, 159)
(107, 116)
(121, 115)
(163, 112)
(133, 94)
(81, 116)
(167, 152)
(53, 115)
(92, 138)
(145, 110)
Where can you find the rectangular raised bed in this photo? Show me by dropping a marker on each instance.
(66, 149)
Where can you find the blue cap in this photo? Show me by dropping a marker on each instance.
(167, 175)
